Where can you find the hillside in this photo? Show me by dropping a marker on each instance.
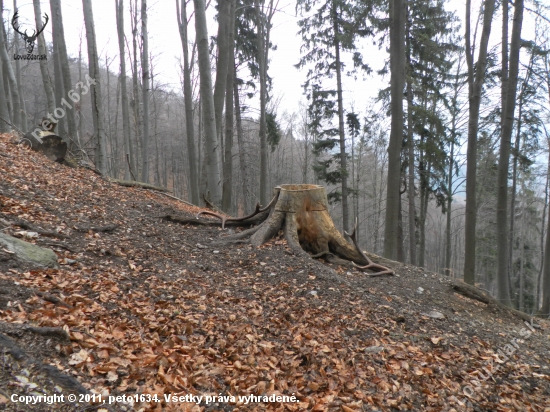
(143, 306)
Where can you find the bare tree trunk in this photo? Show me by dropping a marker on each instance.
(129, 161)
(24, 125)
(188, 98)
(58, 90)
(95, 86)
(212, 147)
(8, 72)
(475, 85)
(503, 279)
(410, 139)
(228, 155)
(135, 82)
(4, 112)
(260, 35)
(341, 129)
(397, 65)
(222, 62)
(240, 139)
(59, 37)
(46, 80)
(145, 93)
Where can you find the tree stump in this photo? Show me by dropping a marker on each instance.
(301, 210)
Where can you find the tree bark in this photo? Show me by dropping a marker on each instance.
(228, 147)
(9, 73)
(46, 80)
(95, 86)
(222, 62)
(129, 161)
(475, 85)
(4, 112)
(188, 99)
(341, 130)
(59, 37)
(145, 93)
(245, 180)
(410, 139)
(503, 280)
(260, 34)
(24, 118)
(212, 148)
(397, 66)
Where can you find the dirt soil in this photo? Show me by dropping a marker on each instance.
(144, 308)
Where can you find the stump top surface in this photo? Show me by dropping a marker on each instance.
(300, 187)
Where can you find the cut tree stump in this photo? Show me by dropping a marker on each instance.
(302, 212)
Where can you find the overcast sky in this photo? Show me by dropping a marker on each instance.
(165, 45)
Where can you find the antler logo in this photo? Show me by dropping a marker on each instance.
(29, 40)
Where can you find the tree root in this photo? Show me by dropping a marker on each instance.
(29, 226)
(302, 212)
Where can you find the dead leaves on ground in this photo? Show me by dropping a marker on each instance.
(148, 313)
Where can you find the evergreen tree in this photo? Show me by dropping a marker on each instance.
(329, 28)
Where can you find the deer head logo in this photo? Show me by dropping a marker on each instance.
(29, 40)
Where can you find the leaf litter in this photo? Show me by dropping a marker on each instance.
(153, 307)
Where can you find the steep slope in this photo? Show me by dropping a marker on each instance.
(154, 308)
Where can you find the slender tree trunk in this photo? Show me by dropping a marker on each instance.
(503, 279)
(9, 73)
(410, 139)
(59, 37)
(397, 66)
(212, 147)
(129, 161)
(263, 97)
(145, 93)
(228, 147)
(46, 80)
(222, 62)
(544, 212)
(242, 159)
(188, 99)
(95, 86)
(24, 125)
(135, 81)
(448, 249)
(4, 112)
(341, 129)
(400, 234)
(58, 91)
(475, 85)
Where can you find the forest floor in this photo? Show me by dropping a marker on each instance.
(155, 308)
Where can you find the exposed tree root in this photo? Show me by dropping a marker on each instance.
(302, 212)
(29, 226)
